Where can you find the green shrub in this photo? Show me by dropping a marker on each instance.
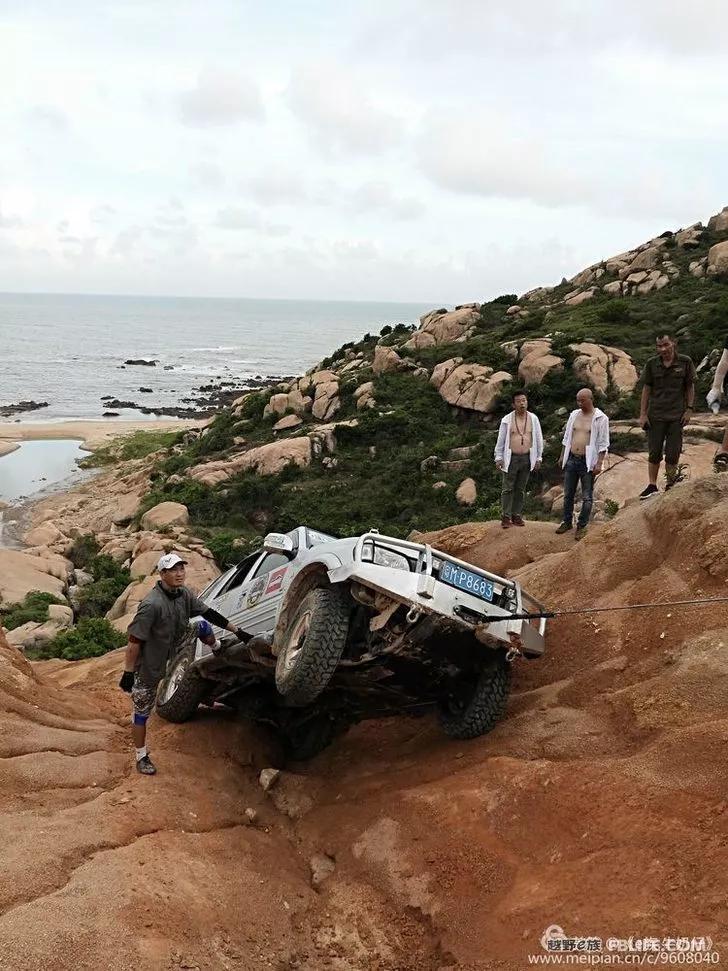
(83, 550)
(136, 445)
(33, 609)
(615, 311)
(110, 581)
(222, 546)
(92, 637)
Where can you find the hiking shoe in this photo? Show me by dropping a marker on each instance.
(580, 532)
(651, 490)
(518, 521)
(720, 462)
(713, 399)
(563, 528)
(146, 766)
(506, 522)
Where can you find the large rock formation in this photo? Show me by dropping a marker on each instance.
(719, 222)
(445, 327)
(265, 460)
(600, 366)
(166, 514)
(21, 573)
(718, 258)
(326, 400)
(537, 360)
(471, 386)
(386, 359)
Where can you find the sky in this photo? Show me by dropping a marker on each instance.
(409, 150)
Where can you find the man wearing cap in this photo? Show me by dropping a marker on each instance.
(161, 626)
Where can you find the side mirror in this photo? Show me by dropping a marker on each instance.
(278, 543)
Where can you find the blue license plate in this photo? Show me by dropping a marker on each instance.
(465, 580)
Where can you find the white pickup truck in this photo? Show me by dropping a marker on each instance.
(346, 629)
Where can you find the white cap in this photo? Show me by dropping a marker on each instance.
(169, 560)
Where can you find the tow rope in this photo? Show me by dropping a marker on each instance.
(571, 611)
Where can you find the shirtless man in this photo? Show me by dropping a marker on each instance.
(518, 452)
(713, 398)
(585, 445)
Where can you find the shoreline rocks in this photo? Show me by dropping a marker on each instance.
(22, 406)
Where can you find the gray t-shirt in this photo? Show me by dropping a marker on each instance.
(161, 623)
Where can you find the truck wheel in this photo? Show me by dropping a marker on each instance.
(313, 645)
(182, 690)
(302, 742)
(473, 707)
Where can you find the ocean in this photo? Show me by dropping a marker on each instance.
(68, 349)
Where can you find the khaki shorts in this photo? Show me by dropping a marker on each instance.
(144, 693)
(667, 437)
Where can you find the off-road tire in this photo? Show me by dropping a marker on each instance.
(304, 669)
(303, 742)
(190, 691)
(482, 711)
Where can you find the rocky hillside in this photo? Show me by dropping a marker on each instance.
(436, 855)
(397, 429)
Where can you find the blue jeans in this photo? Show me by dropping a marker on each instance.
(576, 471)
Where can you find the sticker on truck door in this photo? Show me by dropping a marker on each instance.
(275, 580)
(256, 591)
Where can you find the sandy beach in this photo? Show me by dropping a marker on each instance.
(93, 434)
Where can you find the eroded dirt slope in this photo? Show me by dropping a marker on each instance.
(599, 804)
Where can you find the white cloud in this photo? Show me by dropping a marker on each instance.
(9, 222)
(554, 170)
(336, 110)
(209, 175)
(236, 218)
(379, 198)
(490, 161)
(220, 98)
(48, 116)
(101, 214)
(276, 186)
(437, 154)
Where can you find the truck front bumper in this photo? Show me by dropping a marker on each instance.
(426, 594)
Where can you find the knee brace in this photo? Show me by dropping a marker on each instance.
(138, 719)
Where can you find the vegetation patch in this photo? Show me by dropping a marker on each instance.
(91, 637)
(137, 445)
(33, 609)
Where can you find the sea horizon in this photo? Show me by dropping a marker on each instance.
(72, 350)
(175, 296)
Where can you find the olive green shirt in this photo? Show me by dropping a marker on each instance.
(161, 623)
(668, 386)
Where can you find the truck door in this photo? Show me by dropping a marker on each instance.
(264, 592)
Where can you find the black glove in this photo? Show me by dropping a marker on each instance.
(242, 635)
(127, 681)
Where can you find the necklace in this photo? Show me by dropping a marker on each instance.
(525, 427)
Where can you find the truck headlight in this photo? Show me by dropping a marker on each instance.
(381, 556)
(510, 596)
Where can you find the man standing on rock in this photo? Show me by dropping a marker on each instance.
(585, 446)
(668, 393)
(160, 628)
(518, 452)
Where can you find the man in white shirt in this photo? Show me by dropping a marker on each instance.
(585, 446)
(518, 452)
